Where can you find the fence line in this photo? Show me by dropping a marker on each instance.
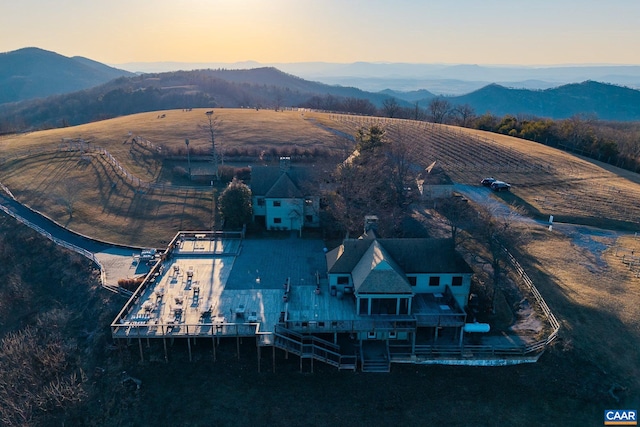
(59, 242)
(555, 325)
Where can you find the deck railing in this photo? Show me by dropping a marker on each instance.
(309, 346)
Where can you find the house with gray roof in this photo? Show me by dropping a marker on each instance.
(283, 197)
(422, 282)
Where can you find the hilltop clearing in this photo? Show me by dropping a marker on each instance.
(129, 192)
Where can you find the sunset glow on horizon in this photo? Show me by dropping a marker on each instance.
(466, 31)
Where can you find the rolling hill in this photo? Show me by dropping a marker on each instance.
(87, 91)
(604, 101)
(35, 73)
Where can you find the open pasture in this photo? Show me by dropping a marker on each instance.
(253, 130)
(125, 193)
(86, 193)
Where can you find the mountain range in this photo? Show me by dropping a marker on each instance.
(440, 79)
(35, 73)
(86, 90)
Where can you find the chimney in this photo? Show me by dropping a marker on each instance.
(370, 223)
(285, 163)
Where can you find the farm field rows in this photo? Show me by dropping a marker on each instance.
(547, 181)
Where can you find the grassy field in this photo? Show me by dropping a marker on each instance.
(107, 205)
(580, 272)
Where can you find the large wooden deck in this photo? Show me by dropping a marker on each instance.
(188, 294)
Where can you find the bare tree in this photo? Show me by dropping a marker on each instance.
(68, 193)
(497, 231)
(390, 107)
(439, 108)
(278, 99)
(417, 113)
(458, 214)
(464, 114)
(402, 164)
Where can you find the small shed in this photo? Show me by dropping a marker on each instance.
(434, 183)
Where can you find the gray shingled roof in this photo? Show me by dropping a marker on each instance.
(411, 255)
(284, 188)
(265, 178)
(377, 272)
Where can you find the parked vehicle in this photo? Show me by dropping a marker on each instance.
(488, 181)
(500, 186)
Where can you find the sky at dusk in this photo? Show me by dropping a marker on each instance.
(518, 32)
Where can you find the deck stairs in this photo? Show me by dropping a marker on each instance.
(311, 347)
(375, 356)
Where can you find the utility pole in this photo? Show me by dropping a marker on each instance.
(213, 143)
(186, 141)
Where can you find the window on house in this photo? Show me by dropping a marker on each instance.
(413, 280)
(276, 203)
(308, 218)
(277, 220)
(308, 202)
(343, 280)
(260, 201)
(456, 281)
(434, 281)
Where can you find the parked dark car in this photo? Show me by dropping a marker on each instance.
(488, 181)
(500, 186)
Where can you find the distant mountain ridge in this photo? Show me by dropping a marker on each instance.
(36, 73)
(264, 87)
(603, 101)
(441, 79)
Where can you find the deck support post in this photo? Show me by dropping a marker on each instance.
(301, 363)
(164, 343)
(189, 346)
(237, 343)
(141, 353)
(258, 352)
(213, 342)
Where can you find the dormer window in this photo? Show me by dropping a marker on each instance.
(276, 203)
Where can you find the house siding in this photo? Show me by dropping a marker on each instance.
(460, 293)
(290, 213)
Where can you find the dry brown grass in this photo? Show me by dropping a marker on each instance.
(594, 296)
(235, 128)
(107, 207)
(103, 205)
(545, 181)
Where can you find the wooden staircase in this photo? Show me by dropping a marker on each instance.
(375, 356)
(309, 346)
